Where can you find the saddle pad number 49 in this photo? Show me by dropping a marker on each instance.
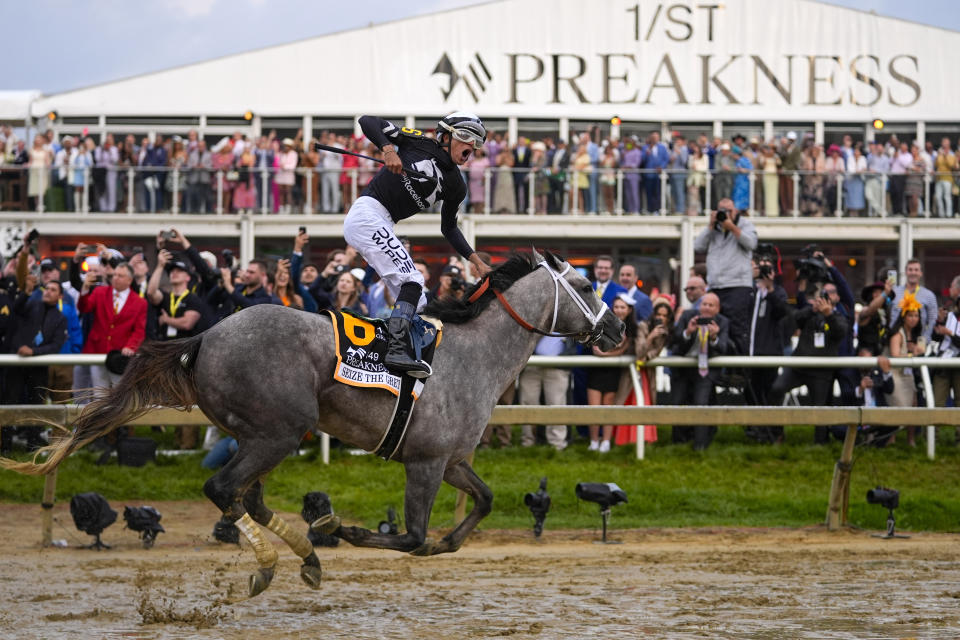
(361, 347)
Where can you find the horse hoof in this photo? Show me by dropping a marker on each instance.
(310, 575)
(327, 524)
(428, 548)
(260, 581)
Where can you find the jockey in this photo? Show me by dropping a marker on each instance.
(392, 196)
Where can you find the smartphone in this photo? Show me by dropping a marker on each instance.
(704, 321)
(892, 276)
(303, 229)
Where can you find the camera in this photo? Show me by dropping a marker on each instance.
(886, 498)
(766, 256)
(704, 321)
(167, 234)
(722, 215)
(303, 230)
(456, 283)
(812, 267)
(227, 256)
(32, 236)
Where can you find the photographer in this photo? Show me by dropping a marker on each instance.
(451, 284)
(206, 278)
(810, 273)
(252, 292)
(729, 242)
(822, 330)
(180, 310)
(876, 385)
(701, 334)
(768, 308)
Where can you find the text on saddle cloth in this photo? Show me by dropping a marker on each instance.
(361, 345)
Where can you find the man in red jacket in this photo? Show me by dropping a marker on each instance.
(119, 319)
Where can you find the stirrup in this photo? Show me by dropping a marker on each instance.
(413, 368)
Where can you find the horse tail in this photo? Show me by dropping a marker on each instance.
(161, 374)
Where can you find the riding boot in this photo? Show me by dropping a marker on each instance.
(400, 344)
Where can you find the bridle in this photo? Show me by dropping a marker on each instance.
(589, 337)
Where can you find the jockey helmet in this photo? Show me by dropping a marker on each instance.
(465, 127)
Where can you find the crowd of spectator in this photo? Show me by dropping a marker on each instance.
(792, 175)
(104, 302)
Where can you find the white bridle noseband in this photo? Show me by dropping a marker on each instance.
(593, 318)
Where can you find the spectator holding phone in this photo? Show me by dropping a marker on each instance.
(297, 268)
(119, 319)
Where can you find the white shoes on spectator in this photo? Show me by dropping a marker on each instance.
(605, 446)
(594, 446)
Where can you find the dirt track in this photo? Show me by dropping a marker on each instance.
(783, 583)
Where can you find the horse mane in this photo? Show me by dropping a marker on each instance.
(459, 310)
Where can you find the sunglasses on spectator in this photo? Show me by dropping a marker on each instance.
(690, 288)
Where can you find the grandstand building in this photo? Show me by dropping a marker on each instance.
(555, 68)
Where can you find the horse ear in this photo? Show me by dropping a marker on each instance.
(537, 257)
(555, 261)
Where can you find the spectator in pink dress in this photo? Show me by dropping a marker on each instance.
(223, 166)
(285, 176)
(477, 168)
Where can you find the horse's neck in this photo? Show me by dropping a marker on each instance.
(497, 340)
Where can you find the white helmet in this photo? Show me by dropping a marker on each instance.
(465, 127)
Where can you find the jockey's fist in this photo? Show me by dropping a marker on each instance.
(391, 159)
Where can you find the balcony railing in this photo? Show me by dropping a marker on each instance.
(492, 190)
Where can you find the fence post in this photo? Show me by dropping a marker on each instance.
(531, 194)
(43, 188)
(839, 211)
(638, 394)
(86, 190)
(752, 180)
(131, 180)
(619, 206)
(663, 193)
(219, 192)
(926, 195)
(49, 495)
(264, 197)
(175, 205)
(487, 181)
(931, 403)
(796, 194)
(840, 486)
(308, 186)
(883, 195)
(353, 188)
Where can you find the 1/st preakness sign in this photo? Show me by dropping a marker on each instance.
(783, 59)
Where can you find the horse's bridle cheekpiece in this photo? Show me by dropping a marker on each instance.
(587, 337)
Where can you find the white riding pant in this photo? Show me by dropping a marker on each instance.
(368, 227)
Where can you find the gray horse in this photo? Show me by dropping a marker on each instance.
(265, 376)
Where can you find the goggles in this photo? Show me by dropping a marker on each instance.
(464, 135)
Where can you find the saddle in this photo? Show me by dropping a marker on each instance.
(361, 345)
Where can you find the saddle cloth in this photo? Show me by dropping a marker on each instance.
(362, 345)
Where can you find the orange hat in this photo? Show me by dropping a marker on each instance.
(909, 303)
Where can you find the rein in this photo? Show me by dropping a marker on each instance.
(558, 280)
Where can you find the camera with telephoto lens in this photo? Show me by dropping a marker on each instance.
(812, 267)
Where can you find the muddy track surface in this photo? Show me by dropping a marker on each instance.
(730, 583)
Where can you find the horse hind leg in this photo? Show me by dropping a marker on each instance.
(226, 489)
(423, 482)
(310, 571)
(462, 476)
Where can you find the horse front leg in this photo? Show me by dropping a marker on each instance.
(423, 481)
(462, 476)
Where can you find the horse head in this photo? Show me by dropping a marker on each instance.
(577, 309)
